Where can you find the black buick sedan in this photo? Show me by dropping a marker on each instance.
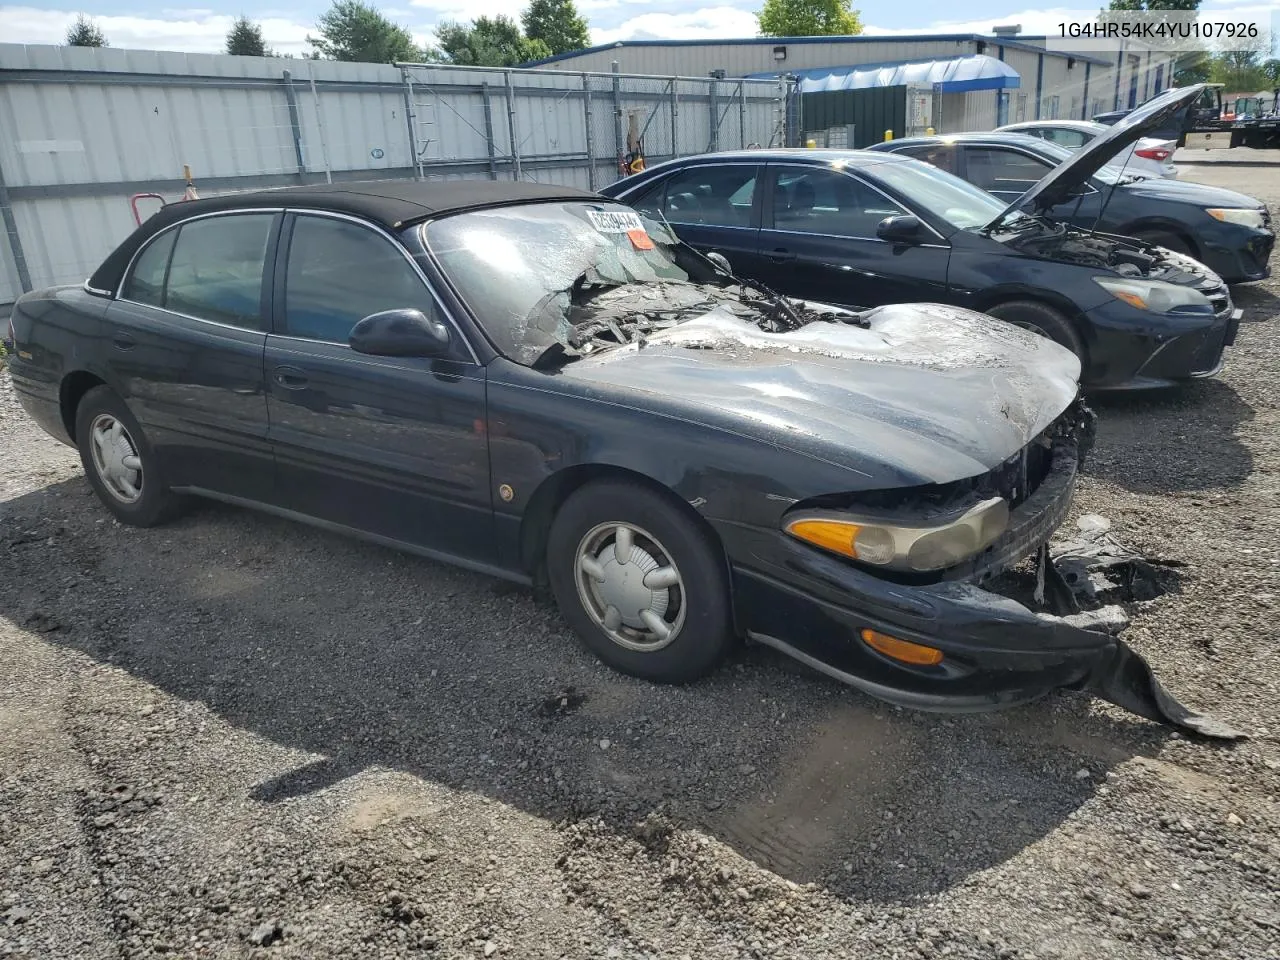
(537, 383)
(861, 229)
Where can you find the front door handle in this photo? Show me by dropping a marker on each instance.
(781, 255)
(123, 341)
(291, 378)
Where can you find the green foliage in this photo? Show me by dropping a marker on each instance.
(245, 39)
(85, 33)
(1155, 4)
(488, 42)
(808, 18)
(557, 24)
(354, 31)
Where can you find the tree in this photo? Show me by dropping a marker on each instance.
(351, 30)
(85, 33)
(245, 39)
(488, 42)
(557, 24)
(808, 18)
(1155, 4)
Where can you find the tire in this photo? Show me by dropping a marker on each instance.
(1163, 238)
(118, 459)
(695, 610)
(1042, 319)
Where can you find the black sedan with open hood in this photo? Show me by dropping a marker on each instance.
(539, 384)
(861, 229)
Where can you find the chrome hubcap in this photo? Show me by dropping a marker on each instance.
(115, 456)
(630, 587)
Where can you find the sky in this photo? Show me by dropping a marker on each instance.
(157, 24)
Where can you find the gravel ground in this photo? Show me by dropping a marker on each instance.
(238, 737)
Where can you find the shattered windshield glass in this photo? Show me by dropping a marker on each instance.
(529, 272)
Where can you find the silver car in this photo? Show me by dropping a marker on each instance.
(1148, 157)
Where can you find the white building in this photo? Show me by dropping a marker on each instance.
(1049, 84)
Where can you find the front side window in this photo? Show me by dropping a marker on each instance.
(827, 202)
(146, 282)
(937, 192)
(1007, 171)
(712, 195)
(341, 272)
(941, 155)
(216, 269)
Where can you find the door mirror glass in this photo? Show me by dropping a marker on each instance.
(900, 229)
(400, 333)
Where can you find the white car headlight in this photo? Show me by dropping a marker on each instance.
(1156, 296)
(916, 549)
(1244, 217)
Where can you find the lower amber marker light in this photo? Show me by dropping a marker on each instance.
(916, 654)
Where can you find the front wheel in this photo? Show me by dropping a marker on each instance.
(1042, 319)
(643, 585)
(119, 463)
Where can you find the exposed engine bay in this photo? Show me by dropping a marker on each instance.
(1126, 257)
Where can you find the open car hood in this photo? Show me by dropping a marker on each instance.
(1170, 107)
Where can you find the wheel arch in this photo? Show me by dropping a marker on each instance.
(70, 392)
(1161, 225)
(1048, 298)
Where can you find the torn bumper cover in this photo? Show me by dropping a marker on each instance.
(996, 652)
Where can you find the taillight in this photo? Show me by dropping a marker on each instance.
(1154, 153)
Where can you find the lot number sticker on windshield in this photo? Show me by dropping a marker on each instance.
(615, 221)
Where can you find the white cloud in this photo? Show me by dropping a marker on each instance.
(708, 23)
(462, 11)
(190, 32)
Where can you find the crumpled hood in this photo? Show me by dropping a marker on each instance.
(928, 394)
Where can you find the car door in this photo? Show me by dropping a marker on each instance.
(713, 207)
(1006, 172)
(819, 241)
(184, 344)
(391, 446)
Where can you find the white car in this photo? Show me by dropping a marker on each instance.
(1146, 158)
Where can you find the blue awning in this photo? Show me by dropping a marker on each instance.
(952, 75)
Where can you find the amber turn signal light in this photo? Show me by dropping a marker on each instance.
(904, 650)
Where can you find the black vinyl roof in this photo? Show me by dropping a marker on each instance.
(391, 204)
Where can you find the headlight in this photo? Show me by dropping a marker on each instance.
(918, 549)
(1240, 215)
(1156, 295)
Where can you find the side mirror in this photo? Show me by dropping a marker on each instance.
(399, 333)
(903, 228)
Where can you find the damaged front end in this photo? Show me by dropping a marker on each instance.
(982, 634)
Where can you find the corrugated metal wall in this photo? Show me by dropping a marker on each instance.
(871, 112)
(81, 130)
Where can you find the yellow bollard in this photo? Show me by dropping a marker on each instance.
(928, 131)
(888, 135)
(811, 144)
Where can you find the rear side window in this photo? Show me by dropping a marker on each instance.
(941, 155)
(1066, 137)
(146, 283)
(712, 195)
(339, 273)
(998, 170)
(216, 270)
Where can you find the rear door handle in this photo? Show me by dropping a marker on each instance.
(122, 341)
(781, 255)
(291, 378)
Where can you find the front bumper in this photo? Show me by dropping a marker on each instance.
(1241, 257)
(1130, 349)
(996, 652)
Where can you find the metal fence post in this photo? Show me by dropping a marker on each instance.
(324, 144)
(511, 124)
(591, 141)
(742, 114)
(488, 130)
(675, 112)
(294, 122)
(410, 122)
(619, 142)
(15, 241)
(713, 144)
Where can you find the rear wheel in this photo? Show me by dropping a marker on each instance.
(1040, 318)
(119, 463)
(642, 584)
